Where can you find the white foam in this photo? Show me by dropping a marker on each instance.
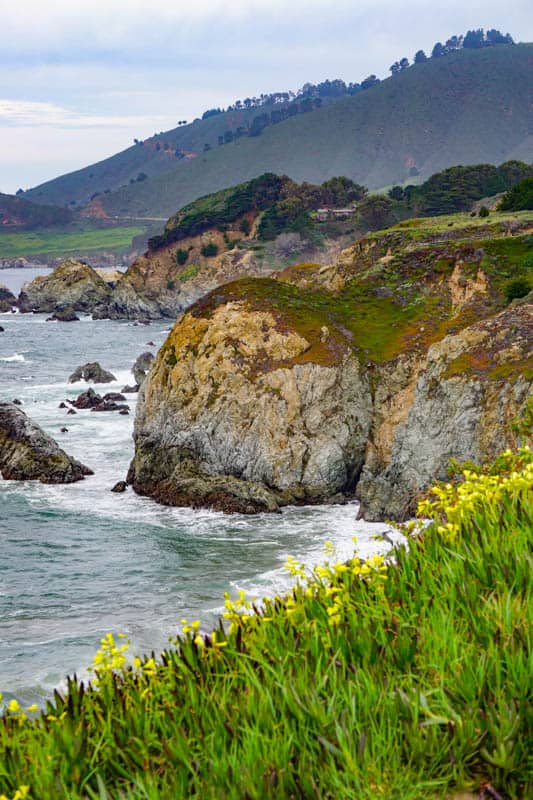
(14, 357)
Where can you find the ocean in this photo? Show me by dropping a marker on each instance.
(77, 561)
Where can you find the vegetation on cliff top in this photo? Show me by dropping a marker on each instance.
(408, 677)
(395, 296)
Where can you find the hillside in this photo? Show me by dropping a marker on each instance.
(18, 213)
(471, 106)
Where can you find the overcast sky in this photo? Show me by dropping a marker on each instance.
(79, 79)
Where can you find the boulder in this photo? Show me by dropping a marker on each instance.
(115, 397)
(141, 367)
(91, 372)
(28, 453)
(1, 329)
(120, 487)
(72, 285)
(130, 389)
(64, 315)
(242, 411)
(7, 299)
(109, 406)
(88, 399)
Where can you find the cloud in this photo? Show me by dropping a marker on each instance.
(26, 113)
(81, 79)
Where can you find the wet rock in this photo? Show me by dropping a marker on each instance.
(91, 372)
(71, 411)
(17, 402)
(1, 329)
(141, 367)
(130, 389)
(124, 412)
(64, 315)
(150, 344)
(116, 397)
(28, 453)
(120, 487)
(109, 406)
(64, 430)
(7, 299)
(88, 399)
(62, 405)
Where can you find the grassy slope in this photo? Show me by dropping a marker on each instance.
(406, 681)
(469, 107)
(403, 302)
(61, 243)
(114, 172)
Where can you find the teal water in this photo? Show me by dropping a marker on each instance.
(77, 561)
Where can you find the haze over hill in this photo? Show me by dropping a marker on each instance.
(471, 106)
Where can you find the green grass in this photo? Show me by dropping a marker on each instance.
(62, 243)
(408, 681)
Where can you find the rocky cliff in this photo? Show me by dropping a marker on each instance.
(72, 285)
(367, 376)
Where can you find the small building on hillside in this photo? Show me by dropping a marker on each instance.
(324, 214)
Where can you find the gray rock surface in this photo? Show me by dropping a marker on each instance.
(209, 431)
(91, 372)
(141, 367)
(72, 285)
(28, 453)
(459, 411)
(7, 299)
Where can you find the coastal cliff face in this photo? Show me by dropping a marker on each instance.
(244, 412)
(368, 376)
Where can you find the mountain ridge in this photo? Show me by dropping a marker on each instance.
(469, 107)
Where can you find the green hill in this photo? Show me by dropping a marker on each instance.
(469, 107)
(18, 213)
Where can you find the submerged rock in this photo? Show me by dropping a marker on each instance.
(91, 372)
(28, 453)
(72, 285)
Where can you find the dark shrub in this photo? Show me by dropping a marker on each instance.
(182, 256)
(209, 250)
(516, 288)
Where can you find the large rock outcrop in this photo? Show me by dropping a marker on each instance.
(28, 453)
(470, 387)
(367, 377)
(72, 285)
(7, 299)
(244, 412)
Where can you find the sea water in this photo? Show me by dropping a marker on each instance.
(77, 561)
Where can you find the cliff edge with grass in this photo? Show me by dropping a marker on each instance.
(366, 377)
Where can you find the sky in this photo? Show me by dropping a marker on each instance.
(80, 80)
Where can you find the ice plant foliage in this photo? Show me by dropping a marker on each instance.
(407, 677)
